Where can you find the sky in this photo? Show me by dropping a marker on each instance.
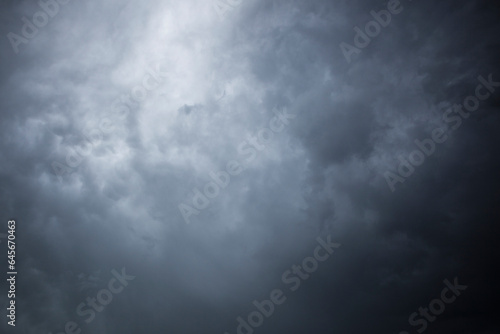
(249, 166)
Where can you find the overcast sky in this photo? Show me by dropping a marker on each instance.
(116, 116)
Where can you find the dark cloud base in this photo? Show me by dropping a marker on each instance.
(224, 76)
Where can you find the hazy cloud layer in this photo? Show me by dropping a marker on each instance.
(204, 86)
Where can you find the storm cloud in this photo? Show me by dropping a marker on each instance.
(119, 119)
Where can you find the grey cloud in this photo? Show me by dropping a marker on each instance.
(323, 175)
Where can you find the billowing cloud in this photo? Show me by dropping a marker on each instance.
(121, 119)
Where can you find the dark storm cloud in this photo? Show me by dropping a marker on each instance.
(322, 175)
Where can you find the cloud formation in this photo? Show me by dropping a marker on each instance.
(76, 94)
